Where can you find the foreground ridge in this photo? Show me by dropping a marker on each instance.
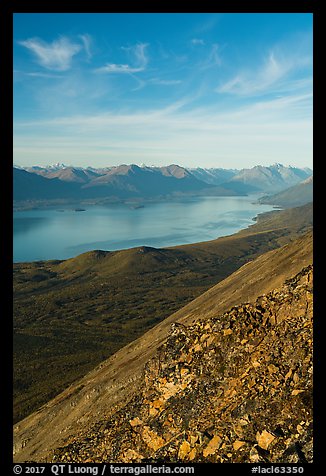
(230, 388)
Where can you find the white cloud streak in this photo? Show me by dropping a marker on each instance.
(37, 74)
(165, 82)
(87, 42)
(213, 58)
(276, 130)
(56, 56)
(119, 68)
(197, 41)
(270, 77)
(139, 57)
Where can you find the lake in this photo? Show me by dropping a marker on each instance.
(61, 234)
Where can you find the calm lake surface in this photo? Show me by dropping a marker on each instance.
(55, 234)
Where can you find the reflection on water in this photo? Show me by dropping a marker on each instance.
(48, 234)
(24, 225)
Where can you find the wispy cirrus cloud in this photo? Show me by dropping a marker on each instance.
(36, 74)
(119, 68)
(270, 128)
(208, 24)
(213, 58)
(87, 43)
(197, 41)
(270, 76)
(165, 82)
(138, 52)
(139, 60)
(56, 56)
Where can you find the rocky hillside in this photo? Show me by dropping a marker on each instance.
(226, 378)
(233, 388)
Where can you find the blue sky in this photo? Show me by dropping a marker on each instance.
(209, 90)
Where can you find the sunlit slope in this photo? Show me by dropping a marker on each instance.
(295, 196)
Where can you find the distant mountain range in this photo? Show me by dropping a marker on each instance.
(273, 179)
(131, 181)
(214, 176)
(295, 196)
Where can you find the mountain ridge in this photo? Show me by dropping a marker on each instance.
(131, 181)
(273, 179)
(295, 196)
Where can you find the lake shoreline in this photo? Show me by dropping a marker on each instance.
(127, 225)
(25, 205)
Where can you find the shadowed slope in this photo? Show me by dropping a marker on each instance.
(295, 196)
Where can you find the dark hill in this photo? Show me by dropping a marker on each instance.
(30, 186)
(138, 260)
(133, 181)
